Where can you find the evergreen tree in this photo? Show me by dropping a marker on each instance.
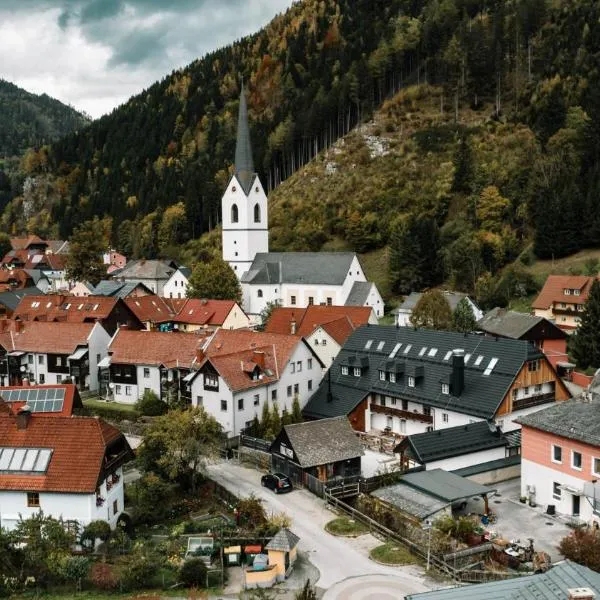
(463, 319)
(275, 420)
(286, 417)
(84, 261)
(585, 342)
(296, 411)
(266, 430)
(463, 167)
(214, 280)
(432, 311)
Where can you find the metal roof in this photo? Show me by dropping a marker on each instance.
(511, 324)
(410, 500)
(486, 382)
(444, 485)
(359, 293)
(11, 299)
(244, 165)
(552, 585)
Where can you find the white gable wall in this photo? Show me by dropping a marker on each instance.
(375, 301)
(98, 342)
(324, 346)
(176, 287)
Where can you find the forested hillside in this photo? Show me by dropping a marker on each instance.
(487, 138)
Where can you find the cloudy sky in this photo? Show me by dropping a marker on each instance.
(94, 54)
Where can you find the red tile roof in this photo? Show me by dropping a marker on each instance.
(309, 318)
(59, 307)
(24, 243)
(553, 290)
(41, 336)
(14, 279)
(195, 311)
(71, 400)
(15, 256)
(170, 349)
(79, 452)
(150, 308)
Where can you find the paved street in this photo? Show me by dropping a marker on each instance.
(336, 558)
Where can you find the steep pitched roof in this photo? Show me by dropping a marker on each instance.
(12, 299)
(452, 441)
(244, 165)
(147, 269)
(80, 452)
(24, 243)
(59, 307)
(430, 350)
(308, 268)
(41, 336)
(58, 246)
(283, 540)
(553, 290)
(323, 441)
(149, 308)
(359, 293)
(119, 289)
(511, 324)
(196, 311)
(339, 329)
(551, 585)
(27, 394)
(170, 349)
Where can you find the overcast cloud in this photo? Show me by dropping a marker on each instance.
(95, 54)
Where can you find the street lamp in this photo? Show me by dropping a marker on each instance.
(429, 527)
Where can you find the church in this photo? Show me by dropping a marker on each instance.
(286, 278)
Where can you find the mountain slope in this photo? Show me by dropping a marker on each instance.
(28, 120)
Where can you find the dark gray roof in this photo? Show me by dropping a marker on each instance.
(511, 324)
(324, 441)
(284, 540)
(410, 500)
(359, 293)
(11, 299)
(36, 275)
(573, 419)
(148, 269)
(481, 396)
(453, 441)
(411, 300)
(444, 485)
(117, 289)
(552, 585)
(486, 467)
(185, 271)
(244, 165)
(316, 268)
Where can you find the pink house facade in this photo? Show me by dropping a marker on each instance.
(560, 459)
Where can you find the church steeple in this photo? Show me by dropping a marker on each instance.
(244, 165)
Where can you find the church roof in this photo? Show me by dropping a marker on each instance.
(244, 165)
(359, 294)
(308, 268)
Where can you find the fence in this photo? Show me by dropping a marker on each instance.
(254, 443)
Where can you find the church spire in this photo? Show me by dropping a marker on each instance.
(244, 166)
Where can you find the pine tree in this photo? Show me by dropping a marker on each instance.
(265, 422)
(463, 319)
(463, 167)
(275, 420)
(286, 418)
(586, 340)
(296, 410)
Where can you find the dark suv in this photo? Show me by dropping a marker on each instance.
(278, 482)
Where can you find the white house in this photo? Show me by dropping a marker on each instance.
(404, 311)
(149, 360)
(176, 286)
(53, 352)
(242, 370)
(154, 274)
(67, 467)
(284, 278)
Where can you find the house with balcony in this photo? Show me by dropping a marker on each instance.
(67, 467)
(562, 300)
(560, 464)
(149, 360)
(400, 381)
(242, 370)
(52, 352)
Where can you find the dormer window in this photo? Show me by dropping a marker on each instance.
(392, 377)
(576, 292)
(411, 381)
(344, 370)
(357, 371)
(445, 389)
(381, 375)
(567, 292)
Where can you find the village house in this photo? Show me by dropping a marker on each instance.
(111, 312)
(404, 311)
(15, 279)
(194, 314)
(154, 274)
(562, 300)
(176, 286)
(52, 352)
(10, 300)
(82, 289)
(150, 310)
(121, 289)
(242, 370)
(67, 467)
(326, 328)
(113, 261)
(402, 381)
(148, 360)
(561, 457)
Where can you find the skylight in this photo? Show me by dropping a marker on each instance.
(478, 360)
(368, 344)
(33, 460)
(432, 352)
(422, 350)
(448, 355)
(467, 358)
(490, 367)
(395, 350)
(407, 349)
(380, 346)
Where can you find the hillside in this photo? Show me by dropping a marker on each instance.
(452, 179)
(28, 120)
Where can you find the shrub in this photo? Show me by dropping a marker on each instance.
(192, 573)
(95, 530)
(151, 405)
(251, 512)
(150, 498)
(103, 577)
(139, 567)
(74, 568)
(583, 547)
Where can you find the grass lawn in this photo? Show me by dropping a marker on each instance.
(522, 304)
(345, 526)
(93, 403)
(392, 554)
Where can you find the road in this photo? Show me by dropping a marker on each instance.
(336, 558)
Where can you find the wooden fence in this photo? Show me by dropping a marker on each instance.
(255, 443)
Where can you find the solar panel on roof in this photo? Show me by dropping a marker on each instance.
(17, 459)
(30, 458)
(38, 399)
(34, 460)
(5, 458)
(43, 459)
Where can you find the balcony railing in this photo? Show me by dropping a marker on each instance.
(403, 414)
(522, 403)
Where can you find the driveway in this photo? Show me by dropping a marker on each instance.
(336, 558)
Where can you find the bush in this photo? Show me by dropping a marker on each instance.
(192, 573)
(251, 512)
(103, 577)
(583, 547)
(150, 498)
(151, 405)
(139, 568)
(111, 412)
(93, 531)
(74, 568)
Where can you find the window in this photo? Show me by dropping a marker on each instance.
(576, 292)
(537, 388)
(344, 370)
(42, 378)
(234, 213)
(404, 404)
(293, 365)
(296, 388)
(257, 213)
(259, 293)
(299, 366)
(576, 460)
(356, 372)
(309, 363)
(211, 381)
(556, 491)
(223, 405)
(323, 342)
(329, 301)
(381, 375)
(393, 401)
(33, 500)
(240, 404)
(402, 425)
(30, 359)
(393, 377)
(289, 391)
(411, 381)
(533, 365)
(40, 359)
(293, 300)
(427, 411)
(311, 300)
(257, 399)
(309, 385)
(596, 466)
(117, 388)
(445, 388)
(98, 358)
(59, 361)
(128, 390)
(273, 394)
(199, 400)
(567, 292)
(115, 507)
(146, 373)
(556, 454)
(444, 417)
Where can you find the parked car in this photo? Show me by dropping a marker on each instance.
(278, 482)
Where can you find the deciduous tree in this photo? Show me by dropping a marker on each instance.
(87, 244)
(215, 280)
(432, 311)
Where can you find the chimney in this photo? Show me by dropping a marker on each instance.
(23, 417)
(259, 359)
(581, 593)
(199, 355)
(457, 380)
(293, 326)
